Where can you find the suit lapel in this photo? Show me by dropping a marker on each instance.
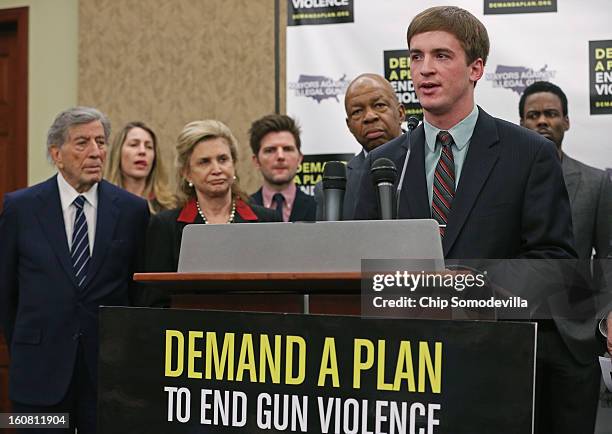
(414, 198)
(481, 157)
(257, 198)
(108, 213)
(298, 210)
(51, 218)
(356, 162)
(572, 177)
(353, 182)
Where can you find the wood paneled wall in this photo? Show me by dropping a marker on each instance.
(171, 62)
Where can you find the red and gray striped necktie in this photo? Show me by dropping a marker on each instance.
(444, 182)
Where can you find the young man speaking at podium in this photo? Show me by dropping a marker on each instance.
(496, 189)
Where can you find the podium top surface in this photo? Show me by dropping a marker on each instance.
(321, 247)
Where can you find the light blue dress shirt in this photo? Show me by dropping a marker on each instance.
(461, 133)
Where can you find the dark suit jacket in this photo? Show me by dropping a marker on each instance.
(353, 179)
(511, 201)
(304, 207)
(590, 195)
(44, 313)
(166, 231)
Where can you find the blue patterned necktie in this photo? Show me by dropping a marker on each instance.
(444, 182)
(79, 251)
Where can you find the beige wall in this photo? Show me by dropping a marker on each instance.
(171, 62)
(52, 72)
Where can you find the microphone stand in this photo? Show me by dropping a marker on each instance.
(412, 124)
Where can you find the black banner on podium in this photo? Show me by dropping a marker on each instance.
(187, 371)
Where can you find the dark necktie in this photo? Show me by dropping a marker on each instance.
(444, 182)
(79, 251)
(279, 200)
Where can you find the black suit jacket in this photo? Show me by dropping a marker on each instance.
(44, 313)
(510, 202)
(353, 180)
(166, 232)
(304, 207)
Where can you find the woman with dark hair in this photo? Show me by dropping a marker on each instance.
(135, 164)
(207, 191)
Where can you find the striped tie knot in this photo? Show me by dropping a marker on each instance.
(445, 138)
(79, 202)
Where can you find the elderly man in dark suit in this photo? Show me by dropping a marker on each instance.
(68, 246)
(496, 189)
(275, 142)
(373, 116)
(543, 108)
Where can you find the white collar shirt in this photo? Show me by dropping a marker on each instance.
(67, 196)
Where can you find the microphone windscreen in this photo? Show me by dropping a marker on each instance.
(334, 175)
(412, 122)
(383, 170)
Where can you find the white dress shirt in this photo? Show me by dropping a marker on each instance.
(67, 196)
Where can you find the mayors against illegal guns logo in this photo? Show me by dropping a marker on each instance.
(319, 87)
(517, 78)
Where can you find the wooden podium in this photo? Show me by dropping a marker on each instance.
(289, 267)
(325, 293)
(308, 268)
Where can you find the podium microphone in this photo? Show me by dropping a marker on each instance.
(334, 186)
(384, 174)
(412, 122)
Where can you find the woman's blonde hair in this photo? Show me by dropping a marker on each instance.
(192, 134)
(157, 191)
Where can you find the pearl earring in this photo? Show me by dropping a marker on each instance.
(234, 177)
(190, 184)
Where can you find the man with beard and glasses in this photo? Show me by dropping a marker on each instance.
(275, 141)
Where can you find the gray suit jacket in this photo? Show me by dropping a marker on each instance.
(353, 178)
(590, 194)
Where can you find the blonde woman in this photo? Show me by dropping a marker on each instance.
(207, 191)
(134, 164)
